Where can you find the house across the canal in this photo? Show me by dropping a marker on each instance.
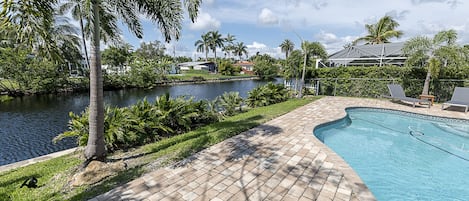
(198, 65)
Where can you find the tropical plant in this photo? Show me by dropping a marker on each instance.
(310, 49)
(264, 68)
(143, 122)
(151, 50)
(267, 94)
(117, 57)
(287, 46)
(380, 32)
(424, 51)
(202, 45)
(168, 14)
(226, 68)
(34, 25)
(229, 46)
(78, 13)
(215, 40)
(240, 49)
(229, 102)
(176, 113)
(292, 67)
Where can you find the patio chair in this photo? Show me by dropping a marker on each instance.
(398, 93)
(460, 98)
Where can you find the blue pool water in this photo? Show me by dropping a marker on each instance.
(403, 156)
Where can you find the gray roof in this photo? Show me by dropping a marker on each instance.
(377, 54)
(195, 63)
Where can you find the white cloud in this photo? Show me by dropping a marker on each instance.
(267, 17)
(327, 38)
(256, 45)
(205, 22)
(332, 42)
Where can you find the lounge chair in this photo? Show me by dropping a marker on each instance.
(398, 93)
(460, 98)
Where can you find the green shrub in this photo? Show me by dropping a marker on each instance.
(372, 81)
(143, 122)
(229, 101)
(267, 95)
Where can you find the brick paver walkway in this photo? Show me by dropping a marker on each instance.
(279, 160)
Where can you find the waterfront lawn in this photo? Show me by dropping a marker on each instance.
(54, 175)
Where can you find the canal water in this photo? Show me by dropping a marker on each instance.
(28, 124)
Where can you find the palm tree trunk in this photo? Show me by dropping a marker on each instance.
(426, 85)
(95, 148)
(216, 65)
(300, 94)
(206, 54)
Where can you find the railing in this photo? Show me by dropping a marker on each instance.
(371, 87)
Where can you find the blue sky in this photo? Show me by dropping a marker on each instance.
(263, 24)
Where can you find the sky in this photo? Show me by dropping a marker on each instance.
(262, 25)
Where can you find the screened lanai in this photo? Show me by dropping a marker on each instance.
(367, 55)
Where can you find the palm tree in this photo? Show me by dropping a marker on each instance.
(287, 46)
(240, 49)
(310, 49)
(78, 14)
(203, 44)
(380, 32)
(36, 26)
(215, 40)
(168, 14)
(425, 51)
(229, 46)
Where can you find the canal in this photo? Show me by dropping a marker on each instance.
(28, 124)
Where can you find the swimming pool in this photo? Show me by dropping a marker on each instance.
(403, 156)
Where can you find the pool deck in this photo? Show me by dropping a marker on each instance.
(278, 160)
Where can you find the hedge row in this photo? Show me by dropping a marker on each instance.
(372, 81)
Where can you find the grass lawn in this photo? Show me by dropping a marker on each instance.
(53, 175)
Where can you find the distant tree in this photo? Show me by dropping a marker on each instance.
(292, 68)
(117, 56)
(240, 49)
(215, 40)
(229, 46)
(314, 50)
(287, 46)
(202, 45)
(265, 68)
(226, 68)
(424, 51)
(150, 50)
(380, 32)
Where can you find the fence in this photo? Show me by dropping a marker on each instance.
(374, 88)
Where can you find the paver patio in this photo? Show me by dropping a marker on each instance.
(279, 160)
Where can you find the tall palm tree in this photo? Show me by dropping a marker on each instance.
(228, 47)
(426, 51)
(240, 49)
(310, 49)
(215, 40)
(78, 13)
(168, 14)
(202, 45)
(287, 46)
(380, 32)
